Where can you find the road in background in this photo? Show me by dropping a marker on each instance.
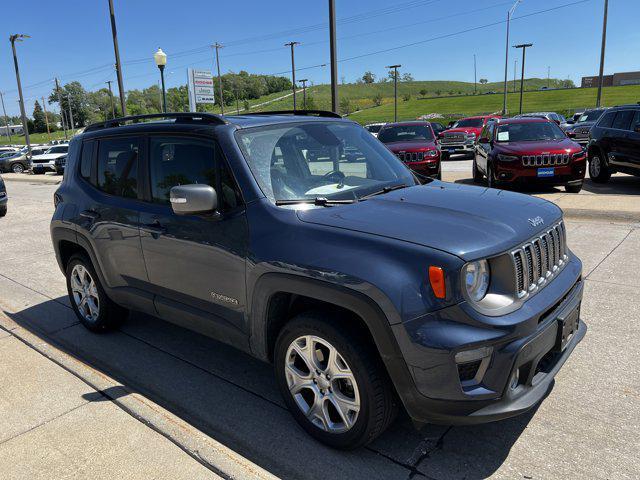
(584, 429)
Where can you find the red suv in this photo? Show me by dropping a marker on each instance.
(528, 150)
(415, 144)
(462, 136)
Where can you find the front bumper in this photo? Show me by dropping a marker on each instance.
(4, 199)
(43, 167)
(458, 148)
(430, 168)
(524, 341)
(512, 172)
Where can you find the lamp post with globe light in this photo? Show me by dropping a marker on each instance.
(161, 61)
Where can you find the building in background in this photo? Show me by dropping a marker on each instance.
(12, 129)
(615, 80)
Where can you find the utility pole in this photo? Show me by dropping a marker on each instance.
(61, 109)
(515, 69)
(506, 56)
(73, 126)
(113, 110)
(304, 92)
(602, 49)
(334, 57)
(46, 118)
(6, 119)
(13, 39)
(116, 50)
(217, 46)
(395, 90)
(475, 76)
(524, 47)
(293, 70)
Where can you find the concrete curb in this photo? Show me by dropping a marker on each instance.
(606, 215)
(27, 178)
(215, 456)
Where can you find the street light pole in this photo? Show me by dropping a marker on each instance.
(475, 76)
(524, 47)
(161, 61)
(602, 49)
(46, 118)
(13, 39)
(6, 119)
(217, 46)
(116, 50)
(61, 109)
(113, 110)
(334, 58)
(395, 90)
(304, 92)
(293, 70)
(506, 56)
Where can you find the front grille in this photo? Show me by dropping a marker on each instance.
(453, 138)
(545, 160)
(538, 260)
(411, 156)
(40, 161)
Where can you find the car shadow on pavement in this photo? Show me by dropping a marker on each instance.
(232, 397)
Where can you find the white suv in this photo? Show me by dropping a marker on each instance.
(47, 160)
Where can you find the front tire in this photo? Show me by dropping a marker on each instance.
(94, 309)
(599, 171)
(17, 168)
(573, 188)
(333, 383)
(3, 211)
(477, 175)
(491, 183)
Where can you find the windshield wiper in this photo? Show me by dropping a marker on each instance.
(319, 201)
(383, 191)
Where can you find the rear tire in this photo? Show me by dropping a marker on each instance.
(3, 212)
(345, 372)
(573, 188)
(17, 168)
(88, 299)
(599, 171)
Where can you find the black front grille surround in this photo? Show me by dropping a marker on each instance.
(536, 262)
(410, 156)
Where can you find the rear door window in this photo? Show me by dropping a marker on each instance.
(623, 120)
(117, 172)
(607, 120)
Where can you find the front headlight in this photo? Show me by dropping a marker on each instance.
(431, 153)
(476, 279)
(507, 158)
(470, 136)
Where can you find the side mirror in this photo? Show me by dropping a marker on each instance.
(571, 134)
(484, 140)
(193, 199)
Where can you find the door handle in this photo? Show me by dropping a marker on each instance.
(90, 214)
(154, 228)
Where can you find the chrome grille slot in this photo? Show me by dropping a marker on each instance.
(538, 261)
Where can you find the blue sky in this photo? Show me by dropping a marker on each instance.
(71, 39)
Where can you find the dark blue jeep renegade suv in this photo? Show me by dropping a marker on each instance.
(300, 239)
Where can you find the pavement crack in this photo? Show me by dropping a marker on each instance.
(609, 254)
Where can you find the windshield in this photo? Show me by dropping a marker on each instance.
(529, 132)
(406, 133)
(469, 122)
(374, 128)
(334, 160)
(590, 116)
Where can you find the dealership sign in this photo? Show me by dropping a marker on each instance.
(200, 86)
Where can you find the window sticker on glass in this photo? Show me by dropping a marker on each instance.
(503, 136)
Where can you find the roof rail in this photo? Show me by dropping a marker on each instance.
(188, 117)
(318, 113)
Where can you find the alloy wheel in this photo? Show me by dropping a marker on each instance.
(85, 293)
(322, 384)
(17, 168)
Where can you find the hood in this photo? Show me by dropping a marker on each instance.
(475, 130)
(48, 156)
(411, 146)
(467, 221)
(565, 145)
(582, 124)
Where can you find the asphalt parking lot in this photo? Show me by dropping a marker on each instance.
(586, 428)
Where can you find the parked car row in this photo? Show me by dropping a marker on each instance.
(43, 158)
